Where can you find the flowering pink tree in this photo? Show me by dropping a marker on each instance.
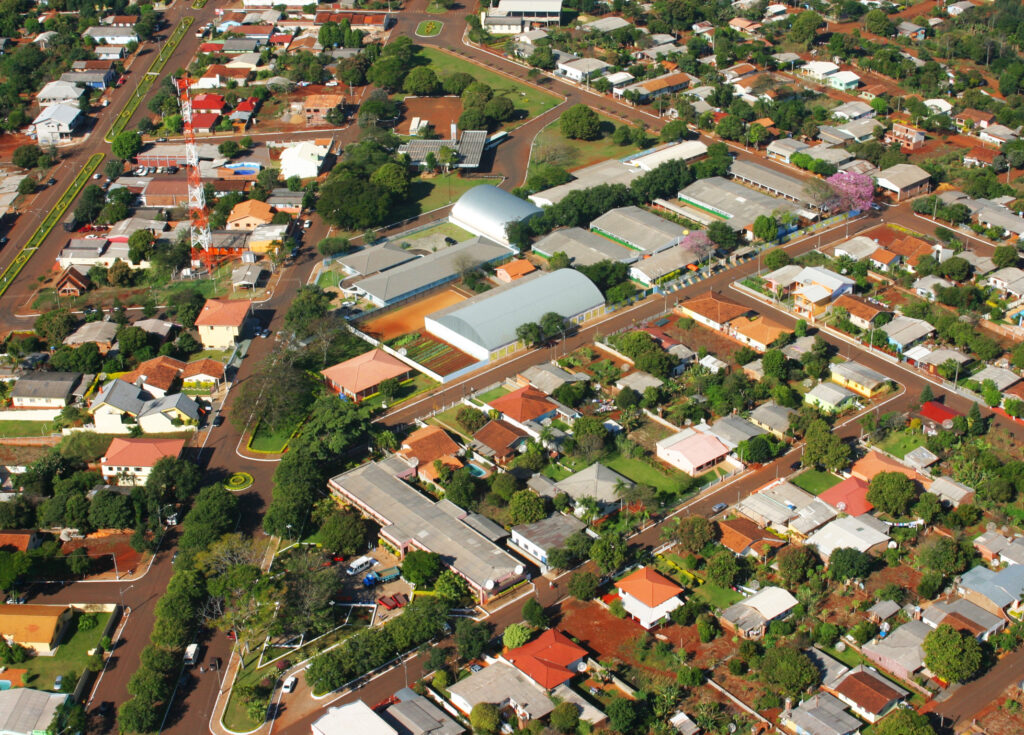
(855, 191)
(698, 243)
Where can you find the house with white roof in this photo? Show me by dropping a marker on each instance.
(843, 80)
(749, 618)
(864, 533)
(59, 92)
(581, 70)
(56, 124)
(819, 71)
(304, 159)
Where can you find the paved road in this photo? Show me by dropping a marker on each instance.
(970, 699)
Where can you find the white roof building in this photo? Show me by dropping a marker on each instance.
(56, 92)
(487, 210)
(304, 159)
(862, 532)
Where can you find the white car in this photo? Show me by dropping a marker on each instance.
(289, 685)
(307, 224)
(97, 177)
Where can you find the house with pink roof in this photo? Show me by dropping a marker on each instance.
(693, 451)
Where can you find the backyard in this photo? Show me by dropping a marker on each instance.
(815, 482)
(25, 428)
(898, 443)
(643, 472)
(70, 657)
(529, 101)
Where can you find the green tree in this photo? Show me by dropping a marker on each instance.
(13, 564)
(1004, 256)
(53, 326)
(393, 178)
(533, 613)
(622, 714)
(943, 555)
(580, 122)
(797, 563)
(515, 635)
(451, 587)
(692, 533)
(777, 258)
(26, 156)
(723, 568)
(582, 585)
(877, 22)
(421, 81)
(310, 304)
(904, 721)
(125, 145)
(525, 506)
(421, 567)
(892, 493)
(805, 27)
(485, 718)
(952, 655)
(766, 228)
(343, 533)
(609, 552)
(565, 718)
(822, 448)
(529, 333)
(789, 670)
(846, 563)
(471, 638)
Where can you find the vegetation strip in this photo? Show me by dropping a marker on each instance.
(47, 224)
(121, 121)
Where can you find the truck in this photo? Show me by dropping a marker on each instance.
(191, 654)
(384, 575)
(70, 223)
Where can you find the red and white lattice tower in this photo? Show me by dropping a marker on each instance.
(198, 219)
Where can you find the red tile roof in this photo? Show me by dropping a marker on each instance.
(160, 372)
(499, 436)
(365, 371)
(218, 313)
(524, 404)
(18, 540)
(208, 102)
(872, 463)
(428, 444)
(209, 48)
(740, 535)
(871, 694)
(205, 366)
(546, 658)
(141, 452)
(715, 307)
(516, 268)
(649, 587)
(849, 496)
(937, 412)
(205, 120)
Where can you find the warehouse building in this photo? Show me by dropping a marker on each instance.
(638, 229)
(485, 325)
(714, 199)
(612, 171)
(487, 210)
(767, 179)
(583, 247)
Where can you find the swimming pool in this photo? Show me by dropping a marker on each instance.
(476, 470)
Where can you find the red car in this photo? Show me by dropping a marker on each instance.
(232, 636)
(386, 602)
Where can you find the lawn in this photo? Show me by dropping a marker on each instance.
(527, 99)
(330, 279)
(577, 153)
(815, 482)
(429, 28)
(899, 443)
(219, 355)
(555, 472)
(641, 472)
(271, 442)
(446, 229)
(25, 428)
(71, 655)
(407, 389)
(489, 395)
(716, 596)
(426, 195)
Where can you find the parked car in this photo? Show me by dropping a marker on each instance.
(3, 241)
(161, 140)
(218, 420)
(58, 683)
(51, 182)
(289, 685)
(718, 507)
(214, 664)
(97, 177)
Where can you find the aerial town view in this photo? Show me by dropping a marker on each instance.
(426, 367)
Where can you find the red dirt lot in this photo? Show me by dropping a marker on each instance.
(103, 546)
(440, 112)
(699, 336)
(409, 318)
(10, 141)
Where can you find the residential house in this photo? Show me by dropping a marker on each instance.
(926, 286)
(830, 398)
(15, 540)
(157, 376)
(638, 381)
(130, 461)
(869, 694)
(111, 35)
(536, 540)
(911, 249)
(165, 193)
(362, 375)
(978, 156)
(900, 653)
(249, 215)
(29, 711)
(120, 406)
(733, 430)
(861, 313)
(205, 374)
(525, 405)
(550, 659)
(266, 239)
(44, 389)
(849, 496)
(998, 134)
(955, 9)
(1009, 281)
(772, 417)
(951, 492)
(904, 332)
(904, 181)
(503, 685)
(220, 75)
(855, 110)
(428, 449)
(844, 81)
(581, 70)
(997, 592)
(913, 31)
(513, 270)
(784, 148)
(650, 89)
(110, 53)
(316, 106)
(865, 533)
(498, 442)
(304, 159)
(713, 310)
(749, 618)
(102, 334)
(40, 628)
(821, 714)
(648, 597)
(819, 71)
(965, 616)
(692, 451)
(970, 119)
(56, 124)
(759, 333)
(744, 26)
(58, 92)
(743, 537)
(595, 483)
(816, 288)
(221, 323)
(882, 610)
(859, 378)
(548, 377)
(774, 505)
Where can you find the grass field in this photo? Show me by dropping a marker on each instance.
(429, 28)
(641, 472)
(25, 428)
(71, 655)
(572, 154)
(489, 395)
(426, 195)
(446, 229)
(263, 440)
(526, 98)
(815, 482)
(329, 279)
(899, 443)
(716, 596)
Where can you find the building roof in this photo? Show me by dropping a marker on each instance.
(769, 178)
(551, 532)
(28, 710)
(638, 228)
(584, 247)
(830, 394)
(757, 610)
(611, 171)
(427, 444)
(595, 481)
(516, 268)
(525, 404)
(697, 447)
(639, 381)
(490, 209)
(903, 645)
(546, 658)
(732, 430)
(45, 385)
(500, 682)
(104, 332)
(30, 623)
(1003, 588)
(648, 587)
(714, 307)
(223, 313)
(859, 374)
(355, 716)
(775, 504)
(963, 615)
(849, 496)
(902, 176)
(375, 258)
(498, 436)
(905, 330)
(548, 377)
(438, 527)
(365, 371)
(822, 714)
(416, 715)
(159, 372)
(740, 535)
(854, 532)
(251, 208)
(869, 690)
(950, 490)
(490, 319)
(761, 330)
(938, 412)
(858, 307)
(141, 452)
(1002, 377)
(59, 113)
(17, 540)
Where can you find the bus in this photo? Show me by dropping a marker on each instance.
(496, 138)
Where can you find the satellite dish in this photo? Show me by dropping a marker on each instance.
(891, 545)
(840, 646)
(885, 627)
(581, 667)
(489, 584)
(403, 351)
(732, 727)
(841, 505)
(520, 569)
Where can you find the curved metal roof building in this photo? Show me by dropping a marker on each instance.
(486, 323)
(486, 210)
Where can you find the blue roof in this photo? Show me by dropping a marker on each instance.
(1003, 588)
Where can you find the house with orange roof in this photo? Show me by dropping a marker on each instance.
(758, 333)
(221, 322)
(713, 310)
(20, 540)
(157, 376)
(743, 537)
(429, 445)
(249, 215)
(129, 461)
(849, 496)
(498, 442)
(524, 405)
(38, 627)
(910, 249)
(514, 269)
(549, 659)
(874, 462)
(205, 374)
(648, 597)
(360, 376)
(862, 314)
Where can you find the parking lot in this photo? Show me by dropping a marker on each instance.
(353, 589)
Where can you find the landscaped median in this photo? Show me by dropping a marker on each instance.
(33, 243)
(121, 121)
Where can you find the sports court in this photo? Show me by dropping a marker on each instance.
(409, 318)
